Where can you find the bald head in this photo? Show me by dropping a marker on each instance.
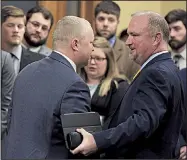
(70, 27)
(156, 23)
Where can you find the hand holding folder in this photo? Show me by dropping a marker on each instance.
(89, 121)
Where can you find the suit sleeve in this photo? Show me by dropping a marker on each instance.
(76, 99)
(148, 110)
(7, 82)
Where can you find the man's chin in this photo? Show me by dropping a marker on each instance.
(16, 43)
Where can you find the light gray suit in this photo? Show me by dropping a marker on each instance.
(7, 82)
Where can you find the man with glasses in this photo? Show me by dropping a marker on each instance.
(39, 21)
(13, 29)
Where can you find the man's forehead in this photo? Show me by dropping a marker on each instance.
(176, 24)
(106, 15)
(12, 19)
(40, 18)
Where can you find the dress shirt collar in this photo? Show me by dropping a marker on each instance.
(183, 53)
(32, 49)
(17, 51)
(112, 41)
(152, 57)
(68, 59)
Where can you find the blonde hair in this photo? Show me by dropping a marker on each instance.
(70, 27)
(111, 71)
(11, 11)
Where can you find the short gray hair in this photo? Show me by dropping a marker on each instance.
(156, 23)
(70, 27)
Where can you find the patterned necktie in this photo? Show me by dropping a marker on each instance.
(176, 59)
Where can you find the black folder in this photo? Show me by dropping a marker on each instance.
(90, 121)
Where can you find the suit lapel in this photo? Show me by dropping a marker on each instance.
(161, 57)
(24, 58)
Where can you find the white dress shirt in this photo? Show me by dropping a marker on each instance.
(68, 59)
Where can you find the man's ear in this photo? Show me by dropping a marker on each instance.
(75, 44)
(157, 38)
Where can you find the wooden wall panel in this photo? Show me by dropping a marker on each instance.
(58, 9)
(87, 11)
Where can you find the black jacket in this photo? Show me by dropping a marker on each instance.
(106, 105)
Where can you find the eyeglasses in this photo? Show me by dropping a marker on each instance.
(37, 25)
(96, 59)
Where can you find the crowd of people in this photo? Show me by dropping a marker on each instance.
(136, 82)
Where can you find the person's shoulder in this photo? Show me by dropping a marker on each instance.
(32, 54)
(45, 50)
(183, 70)
(5, 57)
(119, 42)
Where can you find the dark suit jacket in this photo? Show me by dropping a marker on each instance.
(148, 121)
(28, 57)
(7, 82)
(43, 91)
(183, 139)
(106, 105)
(125, 65)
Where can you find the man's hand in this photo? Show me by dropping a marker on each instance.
(88, 144)
(183, 152)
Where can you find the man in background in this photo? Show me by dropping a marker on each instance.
(147, 123)
(107, 15)
(176, 20)
(177, 24)
(39, 22)
(13, 29)
(47, 89)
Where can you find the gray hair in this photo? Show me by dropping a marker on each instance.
(156, 23)
(70, 27)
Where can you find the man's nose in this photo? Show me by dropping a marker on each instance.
(92, 61)
(16, 29)
(38, 29)
(128, 41)
(105, 22)
(172, 33)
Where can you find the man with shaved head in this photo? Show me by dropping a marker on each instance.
(47, 89)
(147, 123)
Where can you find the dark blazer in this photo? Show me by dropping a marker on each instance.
(7, 82)
(28, 57)
(106, 105)
(183, 139)
(148, 121)
(43, 91)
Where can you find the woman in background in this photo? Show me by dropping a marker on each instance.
(106, 85)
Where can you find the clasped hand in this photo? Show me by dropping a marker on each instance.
(88, 145)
